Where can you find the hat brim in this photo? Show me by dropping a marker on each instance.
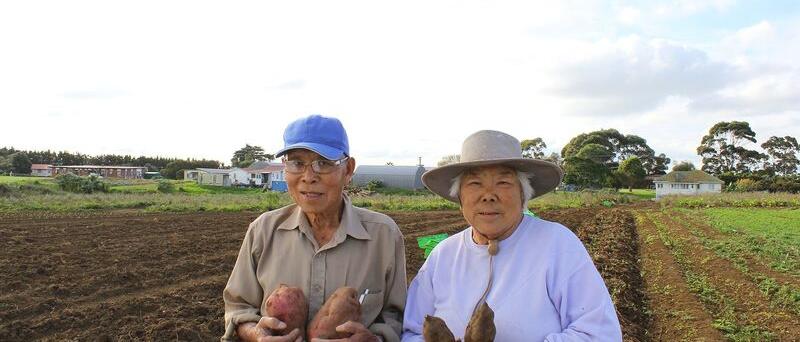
(546, 175)
(325, 151)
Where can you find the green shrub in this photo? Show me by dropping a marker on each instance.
(374, 184)
(87, 185)
(745, 185)
(165, 186)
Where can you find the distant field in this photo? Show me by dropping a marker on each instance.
(772, 234)
(23, 179)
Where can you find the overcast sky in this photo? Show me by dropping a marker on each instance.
(408, 79)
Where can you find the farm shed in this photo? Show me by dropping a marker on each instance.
(41, 170)
(221, 177)
(404, 177)
(687, 183)
(127, 172)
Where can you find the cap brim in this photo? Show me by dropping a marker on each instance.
(325, 151)
(546, 175)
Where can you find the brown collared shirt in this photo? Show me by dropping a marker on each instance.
(365, 253)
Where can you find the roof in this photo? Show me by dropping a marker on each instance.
(98, 167)
(387, 170)
(217, 171)
(265, 169)
(40, 166)
(695, 176)
(262, 164)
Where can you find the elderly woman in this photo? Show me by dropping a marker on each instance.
(319, 244)
(535, 275)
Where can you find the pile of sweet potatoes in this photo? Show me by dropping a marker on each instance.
(289, 305)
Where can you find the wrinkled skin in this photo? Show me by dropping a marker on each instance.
(341, 307)
(289, 305)
(435, 330)
(481, 326)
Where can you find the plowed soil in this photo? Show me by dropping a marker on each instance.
(143, 276)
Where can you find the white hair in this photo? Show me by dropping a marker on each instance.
(523, 177)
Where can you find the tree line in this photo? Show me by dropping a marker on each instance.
(20, 161)
(609, 158)
(726, 152)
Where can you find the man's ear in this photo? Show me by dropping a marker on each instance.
(351, 168)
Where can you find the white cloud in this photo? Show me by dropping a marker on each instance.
(691, 7)
(629, 15)
(632, 75)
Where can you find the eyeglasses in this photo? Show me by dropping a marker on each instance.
(320, 166)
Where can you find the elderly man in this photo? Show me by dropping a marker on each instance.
(319, 244)
(535, 275)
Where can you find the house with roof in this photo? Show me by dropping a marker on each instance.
(219, 177)
(394, 176)
(267, 174)
(687, 183)
(41, 170)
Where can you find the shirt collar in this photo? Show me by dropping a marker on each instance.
(350, 220)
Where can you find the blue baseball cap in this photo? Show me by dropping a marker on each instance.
(321, 134)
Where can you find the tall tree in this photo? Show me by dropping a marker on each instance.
(632, 171)
(533, 148)
(723, 148)
(620, 147)
(684, 166)
(248, 155)
(20, 163)
(585, 173)
(783, 153)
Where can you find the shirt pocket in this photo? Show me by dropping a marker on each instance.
(371, 306)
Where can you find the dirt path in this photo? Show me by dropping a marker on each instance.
(747, 259)
(677, 313)
(741, 310)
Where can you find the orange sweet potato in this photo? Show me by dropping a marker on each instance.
(481, 326)
(434, 329)
(341, 306)
(289, 305)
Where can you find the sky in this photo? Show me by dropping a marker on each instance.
(408, 79)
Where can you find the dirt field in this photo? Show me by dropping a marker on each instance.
(132, 276)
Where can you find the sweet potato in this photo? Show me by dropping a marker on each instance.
(434, 329)
(289, 305)
(481, 326)
(341, 306)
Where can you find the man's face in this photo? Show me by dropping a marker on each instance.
(317, 193)
(491, 199)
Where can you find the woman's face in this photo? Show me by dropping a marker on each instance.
(491, 200)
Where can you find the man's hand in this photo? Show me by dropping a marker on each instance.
(359, 332)
(262, 331)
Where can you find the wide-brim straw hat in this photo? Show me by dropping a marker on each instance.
(485, 148)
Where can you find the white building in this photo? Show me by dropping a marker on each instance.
(219, 177)
(265, 173)
(687, 183)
